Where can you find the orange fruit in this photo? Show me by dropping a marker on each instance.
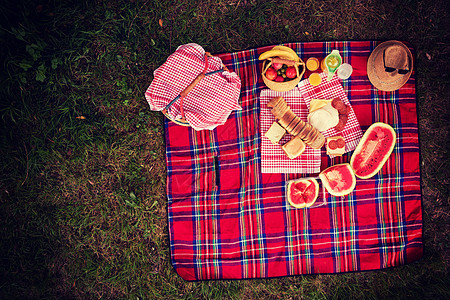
(314, 79)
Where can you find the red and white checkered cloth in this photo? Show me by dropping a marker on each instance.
(210, 102)
(328, 90)
(273, 158)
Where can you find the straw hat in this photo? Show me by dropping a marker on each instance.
(390, 65)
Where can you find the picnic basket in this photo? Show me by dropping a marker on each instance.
(190, 87)
(283, 86)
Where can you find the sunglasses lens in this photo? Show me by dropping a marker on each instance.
(390, 69)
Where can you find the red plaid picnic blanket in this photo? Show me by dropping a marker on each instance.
(228, 220)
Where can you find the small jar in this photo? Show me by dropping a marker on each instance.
(344, 71)
(323, 66)
(312, 63)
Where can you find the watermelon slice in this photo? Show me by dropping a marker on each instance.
(303, 192)
(339, 180)
(373, 150)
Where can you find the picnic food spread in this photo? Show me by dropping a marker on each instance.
(371, 153)
(298, 177)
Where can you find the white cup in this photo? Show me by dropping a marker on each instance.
(344, 71)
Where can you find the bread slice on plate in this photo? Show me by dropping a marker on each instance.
(294, 148)
(275, 133)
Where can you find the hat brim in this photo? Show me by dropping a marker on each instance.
(377, 74)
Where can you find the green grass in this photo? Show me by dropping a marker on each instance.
(82, 191)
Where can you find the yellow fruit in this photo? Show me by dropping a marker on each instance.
(287, 49)
(315, 79)
(280, 53)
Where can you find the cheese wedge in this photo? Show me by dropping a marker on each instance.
(324, 118)
(316, 104)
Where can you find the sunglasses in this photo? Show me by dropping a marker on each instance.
(390, 70)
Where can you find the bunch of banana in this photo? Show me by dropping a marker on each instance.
(282, 52)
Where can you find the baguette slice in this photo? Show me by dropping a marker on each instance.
(305, 130)
(318, 142)
(298, 127)
(293, 124)
(288, 117)
(274, 101)
(280, 111)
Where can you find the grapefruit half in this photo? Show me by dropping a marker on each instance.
(303, 192)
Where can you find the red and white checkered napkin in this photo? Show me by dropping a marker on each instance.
(210, 102)
(328, 90)
(273, 158)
